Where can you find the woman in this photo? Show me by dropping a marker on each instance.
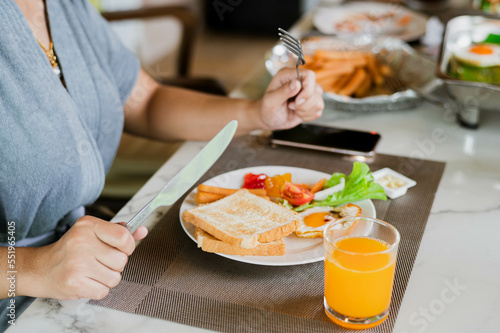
(67, 91)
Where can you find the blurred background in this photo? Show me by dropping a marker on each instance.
(228, 33)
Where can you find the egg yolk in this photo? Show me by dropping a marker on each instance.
(481, 49)
(317, 219)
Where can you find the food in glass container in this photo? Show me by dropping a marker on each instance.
(489, 6)
(479, 62)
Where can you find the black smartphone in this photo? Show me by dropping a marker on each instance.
(330, 139)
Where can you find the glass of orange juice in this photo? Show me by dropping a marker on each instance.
(360, 258)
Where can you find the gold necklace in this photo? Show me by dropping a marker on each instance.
(49, 53)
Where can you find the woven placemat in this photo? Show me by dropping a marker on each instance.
(168, 277)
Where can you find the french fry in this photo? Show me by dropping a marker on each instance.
(305, 186)
(349, 73)
(227, 191)
(318, 186)
(338, 85)
(337, 64)
(312, 65)
(335, 71)
(363, 89)
(385, 70)
(309, 58)
(372, 67)
(206, 197)
(357, 61)
(357, 79)
(257, 191)
(328, 81)
(336, 54)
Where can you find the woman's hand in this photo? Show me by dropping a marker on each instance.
(284, 105)
(171, 113)
(85, 263)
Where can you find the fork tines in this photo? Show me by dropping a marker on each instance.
(292, 44)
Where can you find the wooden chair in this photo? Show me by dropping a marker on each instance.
(189, 23)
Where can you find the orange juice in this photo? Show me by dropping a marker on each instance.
(358, 279)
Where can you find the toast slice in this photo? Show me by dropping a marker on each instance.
(244, 219)
(209, 243)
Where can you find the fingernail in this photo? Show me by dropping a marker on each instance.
(300, 101)
(292, 85)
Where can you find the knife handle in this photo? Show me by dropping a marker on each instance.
(139, 218)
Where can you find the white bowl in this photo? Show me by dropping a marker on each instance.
(394, 183)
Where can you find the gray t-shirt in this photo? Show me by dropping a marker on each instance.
(57, 144)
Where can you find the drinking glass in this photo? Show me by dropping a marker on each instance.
(360, 259)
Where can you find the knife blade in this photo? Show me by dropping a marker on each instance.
(188, 176)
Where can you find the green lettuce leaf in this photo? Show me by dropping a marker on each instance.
(334, 180)
(359, 185)
(493, 39)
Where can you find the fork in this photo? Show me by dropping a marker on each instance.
(293, 45)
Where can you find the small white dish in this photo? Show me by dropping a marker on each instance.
(394, 183)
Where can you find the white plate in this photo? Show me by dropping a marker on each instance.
(326, 18)
(298, 250)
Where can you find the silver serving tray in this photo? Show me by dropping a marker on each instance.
(396, 53)
(468, 97)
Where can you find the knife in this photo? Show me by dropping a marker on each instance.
(188, 176)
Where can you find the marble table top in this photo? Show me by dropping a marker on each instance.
(454, 286)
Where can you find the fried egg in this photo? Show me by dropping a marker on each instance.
(313, 221)
(479, 55)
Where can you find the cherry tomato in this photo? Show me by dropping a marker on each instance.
(296, 194)
(254, 181)
(275, 183)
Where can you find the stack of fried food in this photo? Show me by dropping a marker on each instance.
(241, 223)
(349, 73)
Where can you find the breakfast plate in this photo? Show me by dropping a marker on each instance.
(298, 250)
(372, 18)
